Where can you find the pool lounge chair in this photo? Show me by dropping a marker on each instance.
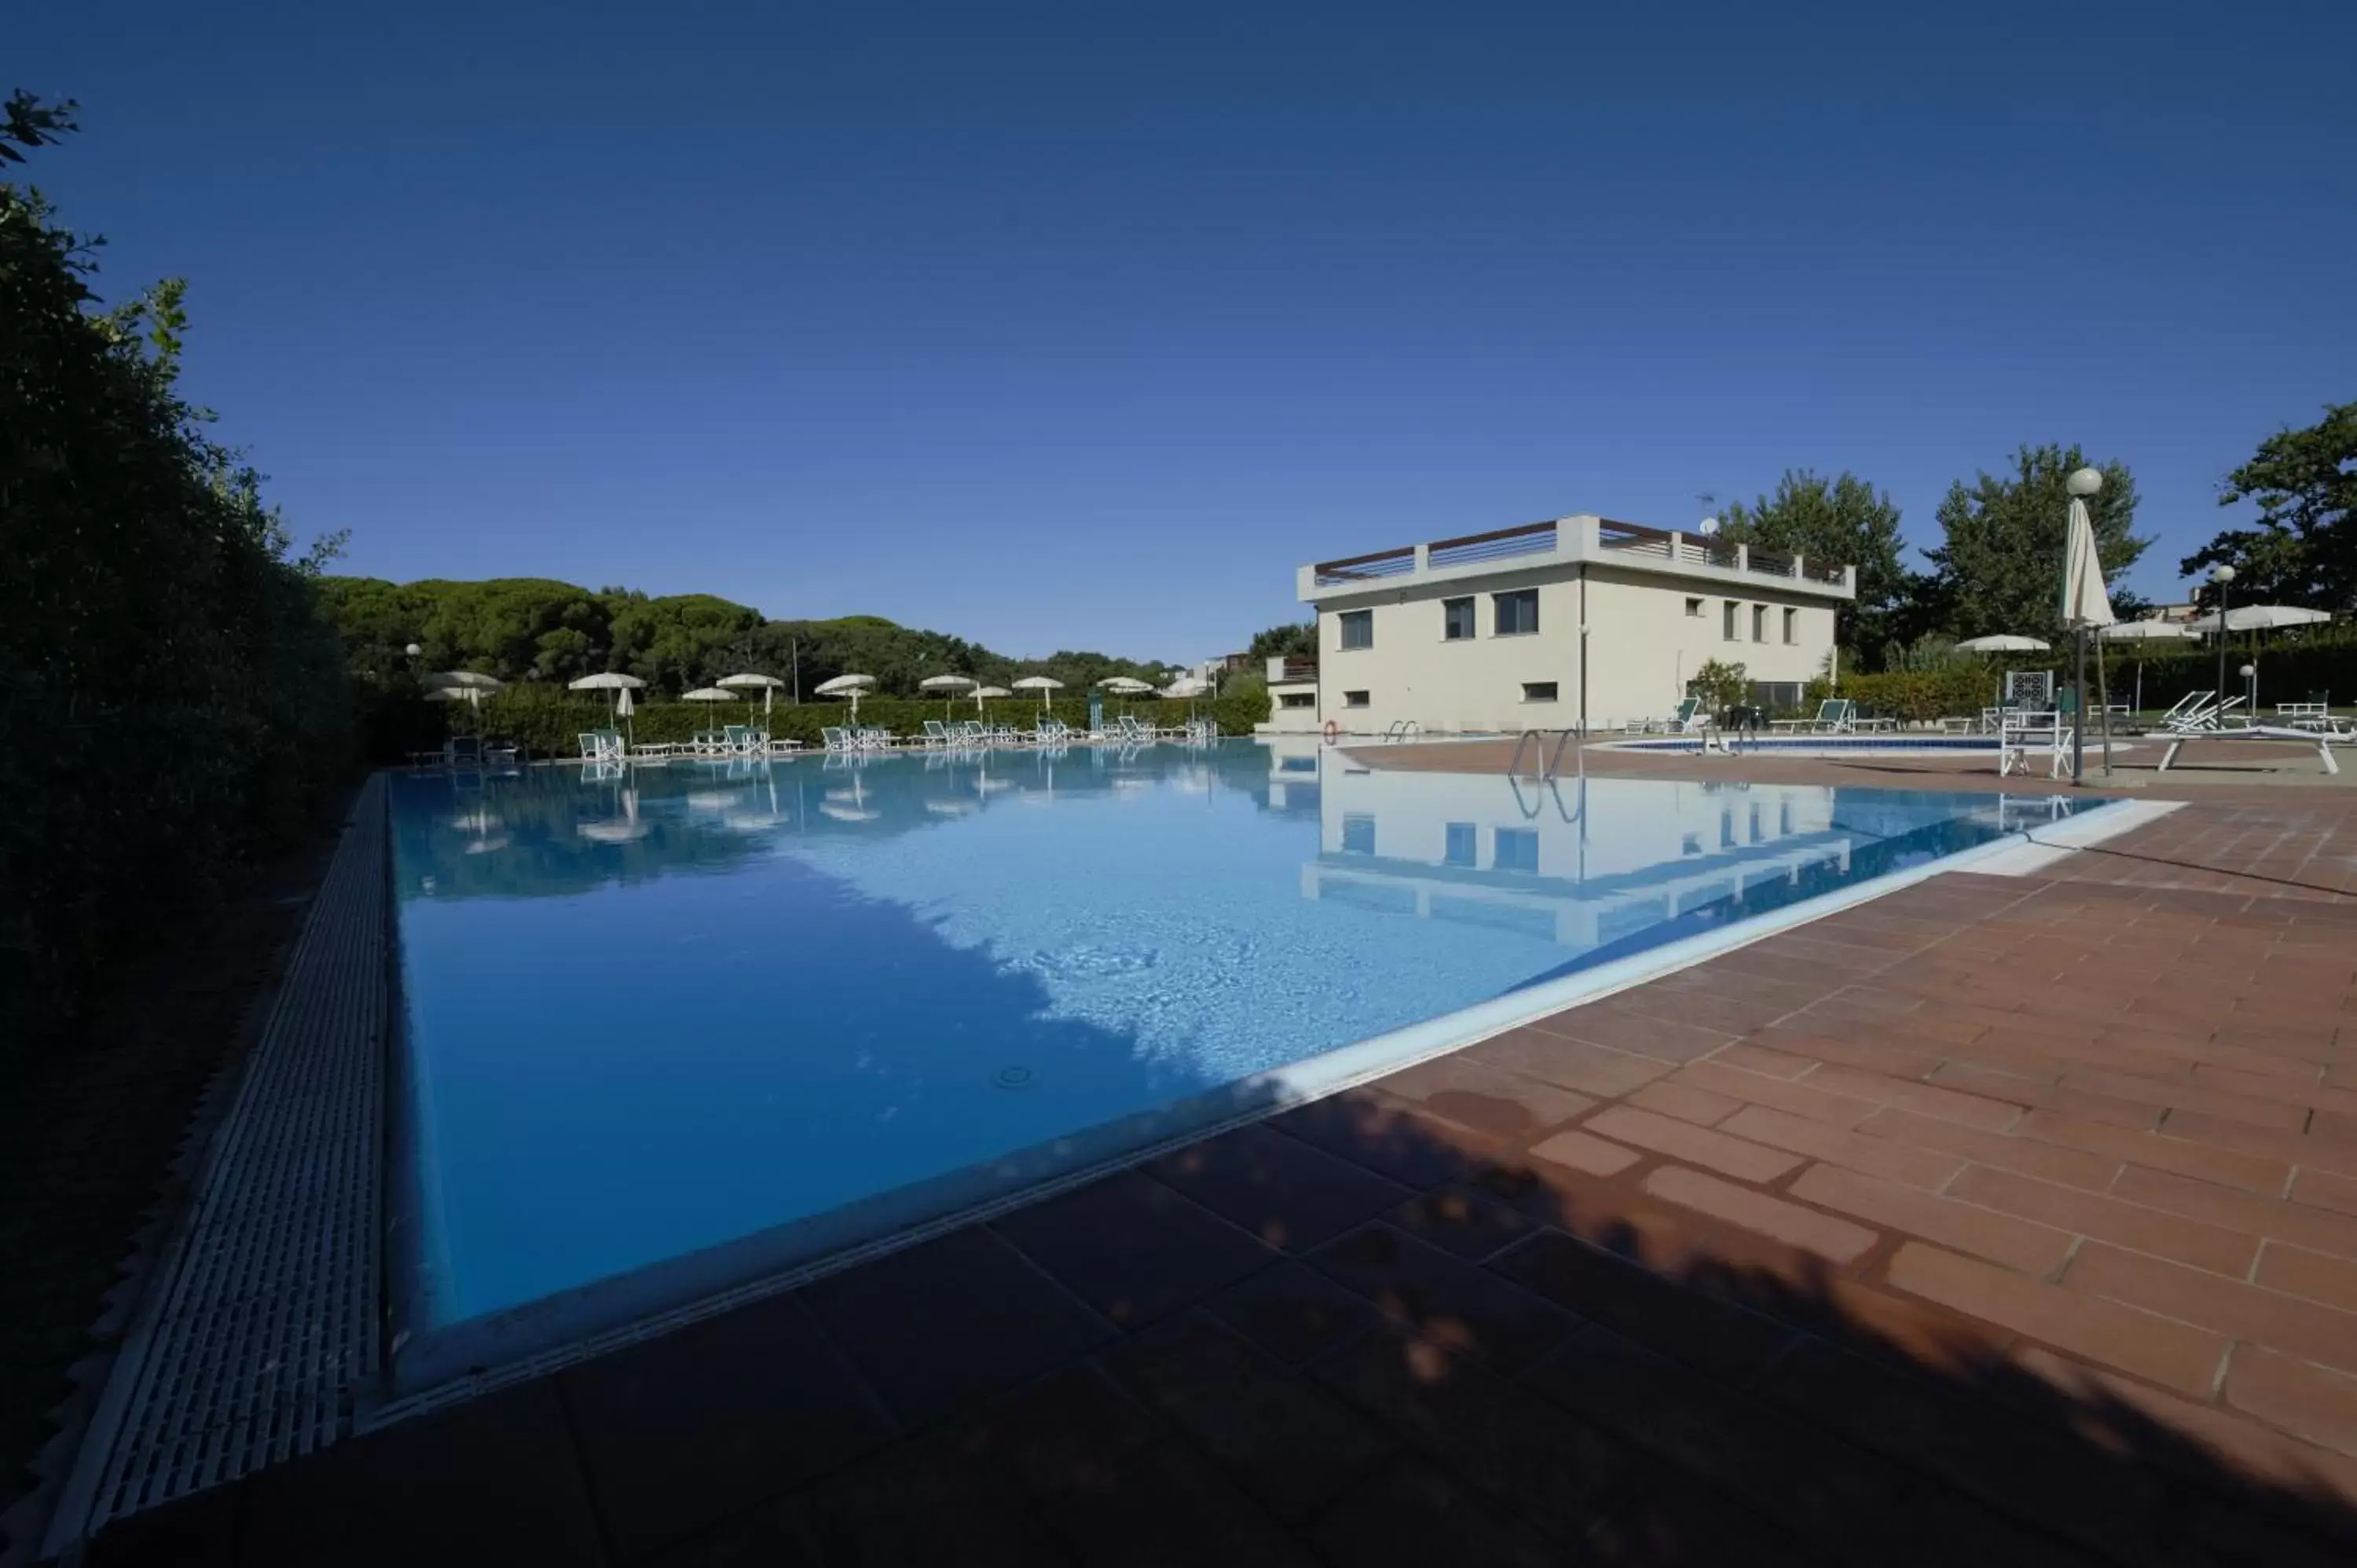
(601, 746)
(1834, 715)
(2324, 740)
(2198, 713)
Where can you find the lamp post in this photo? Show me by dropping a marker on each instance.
(2224, 576)
(2082, 483)
(2250, 692)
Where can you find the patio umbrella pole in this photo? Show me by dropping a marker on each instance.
(2079, 730)
(2104, 699)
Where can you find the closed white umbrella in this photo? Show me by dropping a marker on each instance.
(845, 686)
(2085, 606)
(1043, 685)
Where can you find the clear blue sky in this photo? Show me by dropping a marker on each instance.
(1082, 325)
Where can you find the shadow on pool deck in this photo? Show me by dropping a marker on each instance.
(1998, 1220)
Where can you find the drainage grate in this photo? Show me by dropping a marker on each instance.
(267, 1321)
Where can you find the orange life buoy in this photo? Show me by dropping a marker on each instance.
(1333, 731)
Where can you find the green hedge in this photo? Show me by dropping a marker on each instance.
(2290, 667)
(173, 704)
(550, 721)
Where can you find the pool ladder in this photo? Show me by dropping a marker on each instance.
(1536, 740)
(1402, 730)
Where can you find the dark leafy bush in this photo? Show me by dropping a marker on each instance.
(174, 702)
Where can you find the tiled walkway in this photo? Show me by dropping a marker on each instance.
(1998, 1220)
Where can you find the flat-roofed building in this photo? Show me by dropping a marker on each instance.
(1579, 621)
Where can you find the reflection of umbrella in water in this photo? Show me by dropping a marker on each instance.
(1043, 685)
(845, 686)
(951, 808)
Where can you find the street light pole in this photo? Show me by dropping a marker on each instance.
(2224, 576)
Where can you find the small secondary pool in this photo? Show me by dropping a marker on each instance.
(668, 1028)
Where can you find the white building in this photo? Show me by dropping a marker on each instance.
(1581, 622)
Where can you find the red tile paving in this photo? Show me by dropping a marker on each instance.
(2000, 1220)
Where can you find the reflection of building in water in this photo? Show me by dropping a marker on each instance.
(1293, 763)
(1581, 863)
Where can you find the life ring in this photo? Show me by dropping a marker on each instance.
(1333, 731)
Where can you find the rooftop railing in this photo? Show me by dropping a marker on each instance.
(1630, 540)
(1499, 545)
(1364, 568)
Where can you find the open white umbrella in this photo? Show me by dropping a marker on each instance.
(707, 694)
(470, 684)
(2141, 632)
(1043, 685)
(2255, 618)
(2260, 617)
(845, 686)
(609, 680)
(450, 694)
(2002, 643)
(1124, 685)
(766, 684)
(982, 691)
(948, 686)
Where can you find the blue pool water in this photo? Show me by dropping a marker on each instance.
(652, 1010)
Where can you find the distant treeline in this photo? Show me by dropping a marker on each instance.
(537, 629)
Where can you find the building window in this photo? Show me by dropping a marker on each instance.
(1358, 834)
(1518, 612)
(1456, 620)
(1298, 700)
(1759, 623)
(1792, 626)
(1358, 628)
(1356, 700)
(1727, 628)
(1538, 690)
(1694, 609)
(1462, 845)
(1516, 849)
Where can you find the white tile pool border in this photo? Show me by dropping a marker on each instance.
(1265, 1094)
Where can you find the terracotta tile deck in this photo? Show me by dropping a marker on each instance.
(1998, 1220)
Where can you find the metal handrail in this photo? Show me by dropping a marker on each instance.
(1514, 763)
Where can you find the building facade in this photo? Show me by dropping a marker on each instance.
(1577, 622)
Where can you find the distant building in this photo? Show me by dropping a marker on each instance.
(1579, 621)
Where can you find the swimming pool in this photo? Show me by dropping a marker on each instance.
(668, 1029)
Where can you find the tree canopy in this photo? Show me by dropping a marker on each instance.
(538, 630)
(2303, 551)
(2000, 566)
(1843, 520)
(1291, 640)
